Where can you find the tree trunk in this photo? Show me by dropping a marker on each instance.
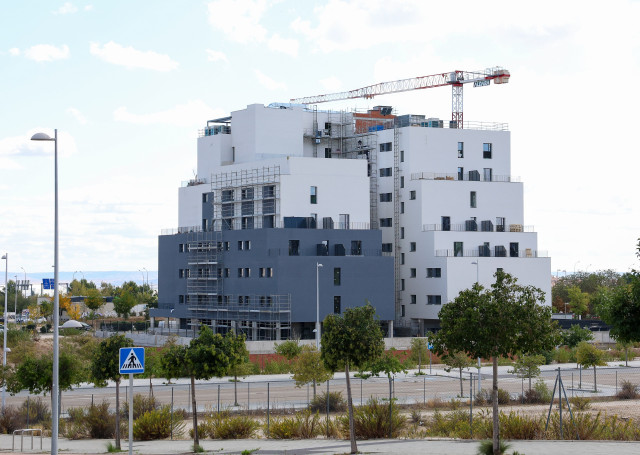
(461, 389)
(352, 430)
(496, 416)
(390, 406)
(529, 383)
(626, 356)
(595, 384)
(118, 414)
(314, 389)
(235, 390)
(150, 387)
(196, 440)
(419, 359)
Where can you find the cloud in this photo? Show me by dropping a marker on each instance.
(46, 52)
(23, 146)
(269, 83)
(216, 56)
(67, 8)
(88, 7)
(78, 115)
(190, 114)
(132, 58)
(239, 20)
(332, 84)
(14, 51)
(286, 46)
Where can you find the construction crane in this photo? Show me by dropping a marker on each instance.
(456, 79)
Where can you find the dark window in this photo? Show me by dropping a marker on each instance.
(386, 147)
(486, 150)
(327, 152)
(356, 247)
(247, 193)
(386, 222)
(514, 250)
(412, 195)
(226, 273)
(473, 201)
(500, 223)
(412, 246)
(240, 244)
(402, 310)
(181, 299)
(227, 210)
(268, 221)
(460, 149)
(402, 284)
(180, 273)
(446, 223)
(385, 197)
(336, 276)
(402, 232)
(268, 191)
(240, 272)
(226, 246)
(402, 156)
(434, 300)
(205, 198)
(402, 207)
(314, 194)
(269, 272)
(401, 181)
(385, 172)
(412, 273)
(247, 272)
(387, 247)
(247, 207)
(247, 244)
(181, 248)
(261, 272)
(402, 258)
(433, 272)
(460, 173)
(337, 304)
(294, 247)
(458, 249)
(227, 195)
(413, 299)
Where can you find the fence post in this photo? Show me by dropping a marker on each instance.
(91, 400)
(28, 411)
(616, 382)
(218, 398)
(471, 404)
(248, 397)
(360, 391)
(268, 408)
(172, 413)
(188, 395)
(424, 390)
(328, 407)
(560, 402)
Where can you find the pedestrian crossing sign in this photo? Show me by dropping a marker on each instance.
(131, 360)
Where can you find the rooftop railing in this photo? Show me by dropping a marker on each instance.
(474, 253)
(467, 177)
(478, 228)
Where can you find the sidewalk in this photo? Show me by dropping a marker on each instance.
(323, 446)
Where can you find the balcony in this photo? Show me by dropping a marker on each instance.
(472, 176)
(481, 252)
(483, 227)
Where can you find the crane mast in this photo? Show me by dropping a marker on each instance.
(455, 79)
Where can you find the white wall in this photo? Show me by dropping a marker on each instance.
(190, 204)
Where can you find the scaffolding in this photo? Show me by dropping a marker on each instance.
(396, 219)
(204, 259)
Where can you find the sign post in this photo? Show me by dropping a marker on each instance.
(131, 362)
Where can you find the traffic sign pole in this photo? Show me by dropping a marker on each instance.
(131, 414)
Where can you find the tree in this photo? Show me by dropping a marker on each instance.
(351, 340)
(622, 310)
(123, 304)
(74, 311)
(106, 366)
(459, 360)
(289, 349)
(419, 351)
(309, 368)
(389, 364)
(528, 366)
(207, 356)
(576, 334)
(500, 321)
(93, 300)
(588, 355)
(578, 300)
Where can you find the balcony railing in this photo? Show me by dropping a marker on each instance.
(235, 224)
(465, 177)
(526, 253)
(478, 228)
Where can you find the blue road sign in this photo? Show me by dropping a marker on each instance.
(430, 346)
(47, 283)
(131, 360)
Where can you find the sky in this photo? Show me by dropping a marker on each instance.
(129, 84)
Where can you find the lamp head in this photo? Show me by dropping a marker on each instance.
(4, 256)
(41, 137)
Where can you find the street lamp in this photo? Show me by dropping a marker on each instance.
(25, 281)
(318, 265)
(56, 302)
(15, 308)
(4, 346)
(143, 268)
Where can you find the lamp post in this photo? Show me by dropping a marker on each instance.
(56, 302)
(15, 307)
(4, 346)
(25, 281)
(318, 265)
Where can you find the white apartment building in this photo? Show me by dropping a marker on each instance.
(448, 207)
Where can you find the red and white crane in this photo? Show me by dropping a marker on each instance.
(455, 79)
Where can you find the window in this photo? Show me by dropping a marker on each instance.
(205, 224)
(385, 197)
(337, 304)
(227, 210)
(446, 223)
(434, 300)
(412, 299)
(205, 198)
(402, 207)
(402, 232)
(247, 208)
(473, 202)
(269, 272)
(457, 249)
(268, 191)
(460, 149)
(240, 272)
(433, 272)
(227, 195)
(246, 193)
(402, 284)
(385, 172)
(181, 299)
(247, 272)
(181, 273)
(294, 247)
(500, 223)
(240, 245)
(514, 249)
(488, 174)
(327, 152)
(460, 173)
(412, 273)
(226, 246)
(412, 195)
(402, 156)
(386, 147)
(386, 222)
(314, 194)
(402, 182)
(181, 248)
(247, 244)
(412, 246)
(261, 272)
(486, 150)
(336, 276)
(226, 273)
(401, 258)
(402, 310)
(356, 247)
(387, 247)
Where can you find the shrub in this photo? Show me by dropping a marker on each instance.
(156, 424)
(416, 416)
(141, 404)
(453, 424)
(276, 367)
(580, 403)
(484, 397)
(518, 426)
(437, 403)
(543, 391)
(304, 425)
(628, 391)
(39, 413)
(486, 447)
(10, 420)
(100, 423)
(336, 402)
(373, 420)
(225, 426)
(562, 355)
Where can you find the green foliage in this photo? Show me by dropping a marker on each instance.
(303, 425)
(575, 335)
(223, 425)
(276, 367)
(308, 367)
(578, 300)
(111, 448)
(486, 447)
(457, 360)
(540, 393)
(419, 352)
(123, 304)
(336, 402)
(628, 391)
(35, 374)
(289, 349)
(95, 422)
(105, 365)
(141, 405)
(157, 424)
(563, 355)
(588, 355)
(527, 366)
(622, 310)
(373, 420)
(485, 397)
(93, 300)
(580, 403)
